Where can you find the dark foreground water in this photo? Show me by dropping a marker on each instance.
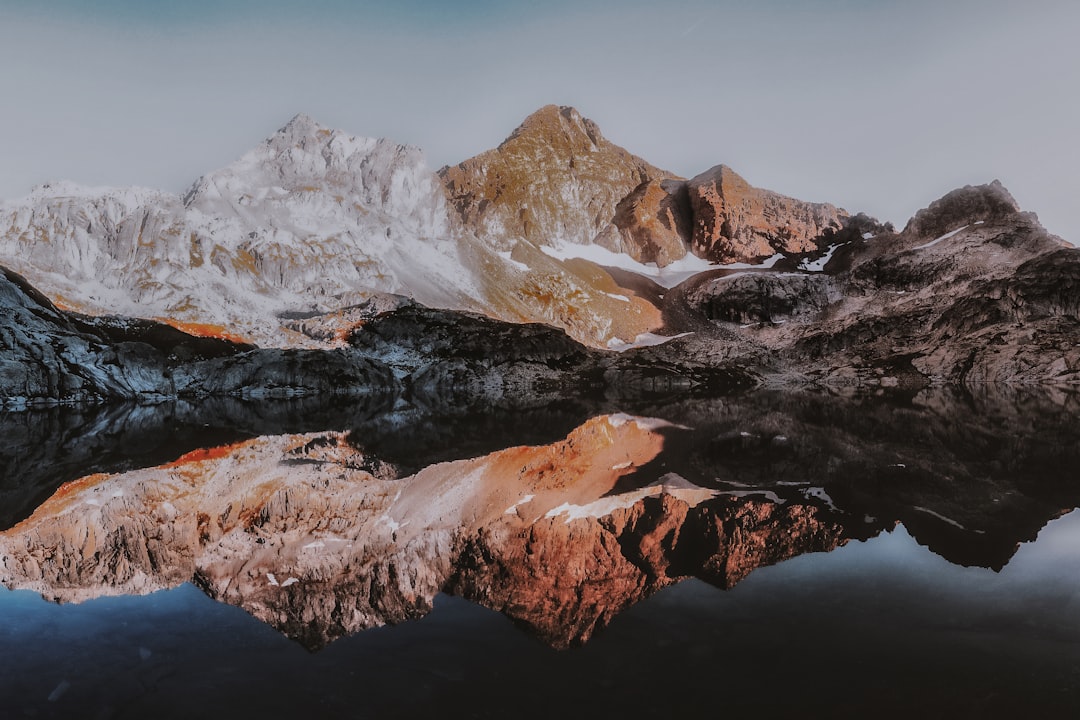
(951, 587)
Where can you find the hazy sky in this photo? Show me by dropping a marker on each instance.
(874, 106)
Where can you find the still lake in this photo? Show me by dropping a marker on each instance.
(771, 554)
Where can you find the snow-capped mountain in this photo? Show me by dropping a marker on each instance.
(311, 221)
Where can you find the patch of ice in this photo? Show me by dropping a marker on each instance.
(935, 241)
(868, 236)
(272, 580)
(622, 465)
(290, 581)
(314, 545)
(616, 296)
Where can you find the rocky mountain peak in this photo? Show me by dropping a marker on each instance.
(555, 178)
(560, 125)
(963, 206)
(300, 126)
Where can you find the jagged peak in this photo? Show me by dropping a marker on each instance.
(961, 207)
(552, 121)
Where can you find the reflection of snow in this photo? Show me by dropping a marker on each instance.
(819, 493)
(939, 516)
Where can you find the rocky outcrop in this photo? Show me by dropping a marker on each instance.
(986, 300)
(652, 224)
(51, 356)
(555, 178)
(736, 222)
(964, 206)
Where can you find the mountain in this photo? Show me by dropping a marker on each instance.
(554, 179)
(311, 220)
(309, 223)
(308, 237)
(973, 290)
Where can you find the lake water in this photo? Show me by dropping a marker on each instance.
(764, 555)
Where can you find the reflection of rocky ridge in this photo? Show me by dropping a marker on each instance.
(322, 534)
(292, 529)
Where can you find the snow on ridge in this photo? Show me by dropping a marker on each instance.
(819, 264)
(642, 340)
(935, 241)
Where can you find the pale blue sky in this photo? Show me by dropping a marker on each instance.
(874, 106)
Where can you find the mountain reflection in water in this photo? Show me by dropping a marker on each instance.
(322, 521)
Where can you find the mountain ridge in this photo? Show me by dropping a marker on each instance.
(560, 226)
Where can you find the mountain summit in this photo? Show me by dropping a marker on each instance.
(555, 178)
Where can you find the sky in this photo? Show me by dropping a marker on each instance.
(879, 107)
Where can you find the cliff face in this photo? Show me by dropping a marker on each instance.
(972, 291)
(735, 222)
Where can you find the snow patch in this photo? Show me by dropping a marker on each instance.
(819, 264)
(935, 241)
(642, 340)
(668, 276)
(506, 255)
(523, 501)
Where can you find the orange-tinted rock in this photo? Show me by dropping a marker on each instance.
(736, 222)
(555, 177)
(652, 224)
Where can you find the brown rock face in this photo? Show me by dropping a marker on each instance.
(963, 206)
(736, 222)
(653, 223)
(555, 177)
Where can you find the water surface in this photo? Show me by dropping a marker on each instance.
(758, 555)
